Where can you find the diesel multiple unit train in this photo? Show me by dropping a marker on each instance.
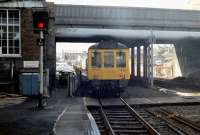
(108, 68)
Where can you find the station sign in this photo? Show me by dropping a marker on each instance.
(31, 64)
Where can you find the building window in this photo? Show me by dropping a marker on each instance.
(10, 33)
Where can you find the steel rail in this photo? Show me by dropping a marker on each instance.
(106, 121)
(181, 119)
(151, 130)
(172, 126)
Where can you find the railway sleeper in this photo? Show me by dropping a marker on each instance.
(121, 119)
(124, 122)
(143, 131)
(127, 127)
(125, 117)
(118, 113)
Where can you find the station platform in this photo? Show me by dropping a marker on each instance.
(73, 120)
(62, 116)
(151, 101)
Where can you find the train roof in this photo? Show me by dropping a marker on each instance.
(108, 45)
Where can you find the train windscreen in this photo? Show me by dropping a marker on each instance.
(108, 59)
(121, 59)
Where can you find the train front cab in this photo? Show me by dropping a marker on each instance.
(108, 68)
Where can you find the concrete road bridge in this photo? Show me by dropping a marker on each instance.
(85, 22)
(133, 26)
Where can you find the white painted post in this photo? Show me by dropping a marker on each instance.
(40, 103)
(138, 62)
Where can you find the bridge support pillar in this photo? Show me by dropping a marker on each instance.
(142, 64)
(137, 66)
(138, 62)
(150, 65)
(145, 67)
(132, 63)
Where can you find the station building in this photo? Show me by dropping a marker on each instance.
(18, 49)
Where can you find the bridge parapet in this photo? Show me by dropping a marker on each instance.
(95, 16)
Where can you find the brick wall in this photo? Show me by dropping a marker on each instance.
(30, 51)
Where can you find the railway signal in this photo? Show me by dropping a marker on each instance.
(40, 21)
(40, 25)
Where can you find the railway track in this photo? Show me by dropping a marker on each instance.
(181, 124)
(126, 120)
(122, 120)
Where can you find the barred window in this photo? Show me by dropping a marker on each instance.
(10, 33)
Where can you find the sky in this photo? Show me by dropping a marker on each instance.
(174, 4)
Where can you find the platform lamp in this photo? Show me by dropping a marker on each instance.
(40, 26)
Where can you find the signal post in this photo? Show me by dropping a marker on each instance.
(40, 25)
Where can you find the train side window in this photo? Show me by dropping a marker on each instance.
(121, 59)
(108, 59)
(96, 59)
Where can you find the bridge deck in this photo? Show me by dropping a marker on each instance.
(127, 16)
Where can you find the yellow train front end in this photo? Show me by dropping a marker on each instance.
(108, 67)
